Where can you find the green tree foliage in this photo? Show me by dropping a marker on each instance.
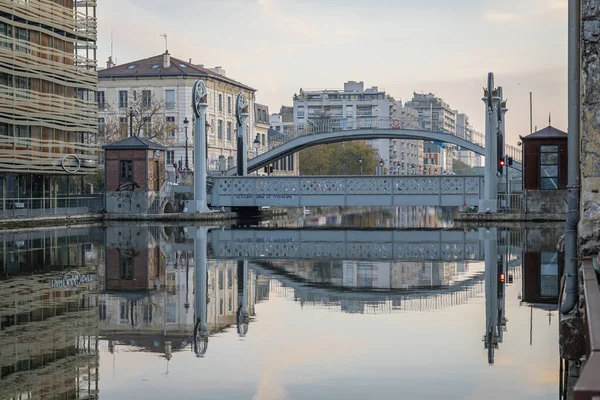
(460, 168)
(338, 159)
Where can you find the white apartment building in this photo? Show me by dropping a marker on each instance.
(168, 81)
(406, 156)
(436, 115)
(278, 130)
(352, 102)
(464, 130)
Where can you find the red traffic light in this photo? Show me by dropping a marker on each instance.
(502, 277)
(502, 162)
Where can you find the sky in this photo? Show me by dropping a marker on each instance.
(439, 46)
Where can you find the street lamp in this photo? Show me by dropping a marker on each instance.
(360, 161)
(256, 144)
(186, 123)
(381, 164)
(130, 121)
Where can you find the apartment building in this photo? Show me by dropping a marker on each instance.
(353, 102)
(48, 115)
(406, 156)
(435, 115)
(279, 131)
(152, 98)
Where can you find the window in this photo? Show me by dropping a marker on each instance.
(155, 66)
(549, 167)
(132, 66)
(147, 126)
(101, 99)
(291, 162)
(126, 267)
(123, 125)
(264, 139)
(220, 130)
(21, 34)
(170, 99)
(349, 111)
(171, 313)
(6, 79)
(6, 30)
(300, 111)
(146, 98)
(229, 131)
(122, 98)
(22, 131)
(229, 104)
(229, 278)
(170, 157)
(102, 311)
(123, 311)
(147, 313)
(220, 102)
(126, 170)
(21, 83)
(171, 126)
(221, 280)
(101, 126)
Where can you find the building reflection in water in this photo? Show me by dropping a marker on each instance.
(48, 312)
(147, 294)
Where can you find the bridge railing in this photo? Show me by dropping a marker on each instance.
(319, 125)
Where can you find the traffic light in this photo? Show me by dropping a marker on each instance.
(501, 280)
(510, 161)
(500, 153)
(501, 164)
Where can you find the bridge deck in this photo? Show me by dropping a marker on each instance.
(301, 191)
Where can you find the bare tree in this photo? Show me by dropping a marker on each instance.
(144, 116)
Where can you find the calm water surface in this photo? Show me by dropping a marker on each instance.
(317, 307)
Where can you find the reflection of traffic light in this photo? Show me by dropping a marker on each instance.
(501, 280)
(501, 165)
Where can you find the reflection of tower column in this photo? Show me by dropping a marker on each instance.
(490, 237)
(242, 289)
(200, 292)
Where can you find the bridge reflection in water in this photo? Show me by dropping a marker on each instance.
(167, 289)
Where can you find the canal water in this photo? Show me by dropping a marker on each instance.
(338, 304)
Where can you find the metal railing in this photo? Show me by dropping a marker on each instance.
(588, 384)
(511, 203)
(36, 206)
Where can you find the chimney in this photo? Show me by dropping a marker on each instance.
(166, 59)
(190, 61)
(110, 63)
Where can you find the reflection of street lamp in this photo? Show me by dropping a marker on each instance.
(186, 123)
(360, 161)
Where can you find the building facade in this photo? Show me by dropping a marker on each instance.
(465, 131)
(278, 133)
(435, 115)
(354, 102)
(159, 90)
(406, 156)
(48, 114)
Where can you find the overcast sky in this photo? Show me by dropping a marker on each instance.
(441, 46)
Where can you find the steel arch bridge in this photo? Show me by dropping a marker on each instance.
(333, 131)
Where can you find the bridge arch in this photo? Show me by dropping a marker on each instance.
(303, 141)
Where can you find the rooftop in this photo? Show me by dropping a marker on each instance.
(153, 66)
(134, 143)
(546, 133)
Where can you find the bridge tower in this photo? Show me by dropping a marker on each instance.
(200, 291)
(493, 124)
(199, 105)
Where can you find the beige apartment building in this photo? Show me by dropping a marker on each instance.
(152, 98)
(48, 114)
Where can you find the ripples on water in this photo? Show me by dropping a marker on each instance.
(318, 306)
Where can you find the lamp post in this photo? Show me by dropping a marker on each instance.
(256, 144)
(186, 123)
(130, 121)
(360, 161)
(381, 164)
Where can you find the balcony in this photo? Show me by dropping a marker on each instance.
(170, 105)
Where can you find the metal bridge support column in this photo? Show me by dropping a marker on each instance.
(200, 291)
(489, 203)
(242, 289)
(490, 237)
(199, 105)
(242, 114)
